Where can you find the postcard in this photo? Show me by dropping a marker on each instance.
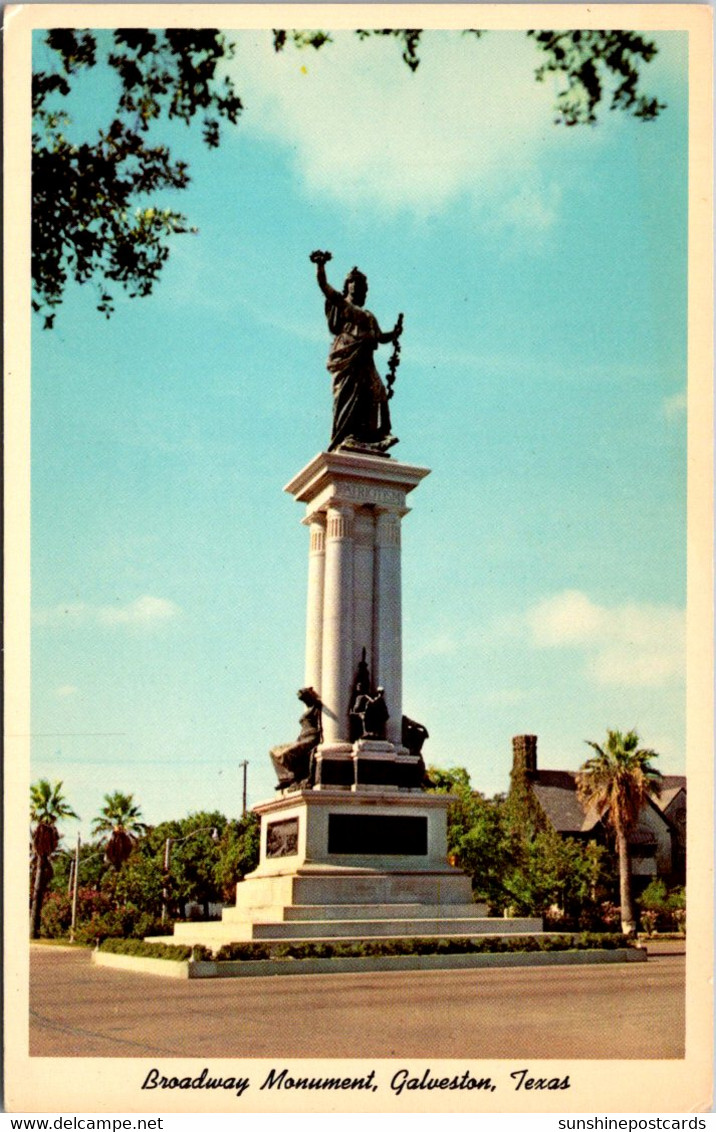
(359, 636)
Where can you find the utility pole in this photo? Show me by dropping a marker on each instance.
(75, 881)
(244, 767)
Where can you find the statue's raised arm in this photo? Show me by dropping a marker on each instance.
(321, 259)
(361, 418)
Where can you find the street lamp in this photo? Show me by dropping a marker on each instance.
(167, 859)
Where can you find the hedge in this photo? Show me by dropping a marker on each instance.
(363, 948)
(146, 950)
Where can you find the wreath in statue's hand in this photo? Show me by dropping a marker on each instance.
(320, 257)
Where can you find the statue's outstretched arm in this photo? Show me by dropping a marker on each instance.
(321, 259)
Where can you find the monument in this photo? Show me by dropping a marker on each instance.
(352, 843)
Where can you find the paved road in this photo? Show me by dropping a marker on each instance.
(617, 1011)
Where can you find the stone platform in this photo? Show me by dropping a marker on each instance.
(352, 865)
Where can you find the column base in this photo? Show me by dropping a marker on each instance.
(367, 765)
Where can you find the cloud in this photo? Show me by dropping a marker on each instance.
(364, 131)
(633, 645)
(444, 644)
(144, 611)
(675, 405)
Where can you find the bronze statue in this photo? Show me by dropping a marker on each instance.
(375, 716)
(413, 735)
(292, 761)
(361, 417)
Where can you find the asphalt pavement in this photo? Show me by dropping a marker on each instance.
(620, 1011)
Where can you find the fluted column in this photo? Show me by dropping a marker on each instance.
(387, 618)
(363, 567)
(337, 663)
(314, 604)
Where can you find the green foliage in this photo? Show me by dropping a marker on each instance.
(48, 804)
(617, 782)
(92, 215)
(125, 922)
(516, 860)
(120, 819)
(547, 871)
(661, 908)
(591, 60)
(238, 854)
(129, 900)
(408, 945)
(138, 947)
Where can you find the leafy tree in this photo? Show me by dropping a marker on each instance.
(617, 782)
(238, 854)
(48, 806)
(515, 858)
(88, 217)
(94, 215)
(548, 874)
(120, 818)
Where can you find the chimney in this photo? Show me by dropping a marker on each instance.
(524, 754)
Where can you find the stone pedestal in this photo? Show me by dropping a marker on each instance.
(362, 852)
(352, 865)
(354, 507)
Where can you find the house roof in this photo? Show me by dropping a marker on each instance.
(556, 792)
(671, 785)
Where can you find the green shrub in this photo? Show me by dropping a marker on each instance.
(141, 948)
(355, 949)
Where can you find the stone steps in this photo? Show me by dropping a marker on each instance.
(383, 912)
(325, 930)
(386, 929)
(217, 939)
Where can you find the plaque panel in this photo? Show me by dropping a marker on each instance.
(282, 838)
(379, 834)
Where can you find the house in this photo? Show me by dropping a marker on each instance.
(657, 845)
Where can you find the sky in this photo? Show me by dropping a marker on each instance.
(542, 273)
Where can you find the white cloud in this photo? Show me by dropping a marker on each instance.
(675, 405)
(444, 644)
(144, 611)
(366, 132)
(65, 690)
(633, 645)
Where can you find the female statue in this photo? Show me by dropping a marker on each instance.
(361, 419)
(292, 761)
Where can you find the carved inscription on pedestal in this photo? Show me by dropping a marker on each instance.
(365, 493)
(282, 838)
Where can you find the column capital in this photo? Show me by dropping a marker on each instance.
(339, 520)
(387, 527)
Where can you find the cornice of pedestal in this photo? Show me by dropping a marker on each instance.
(356, 480)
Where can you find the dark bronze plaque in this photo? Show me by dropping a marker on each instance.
(377, 834)
(282, 838)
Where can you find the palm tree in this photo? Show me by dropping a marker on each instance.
(120, 818)
(47, 806)
(617, 782)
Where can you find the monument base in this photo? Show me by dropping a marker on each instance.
(341, 864)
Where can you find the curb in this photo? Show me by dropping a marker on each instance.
(233, 969)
